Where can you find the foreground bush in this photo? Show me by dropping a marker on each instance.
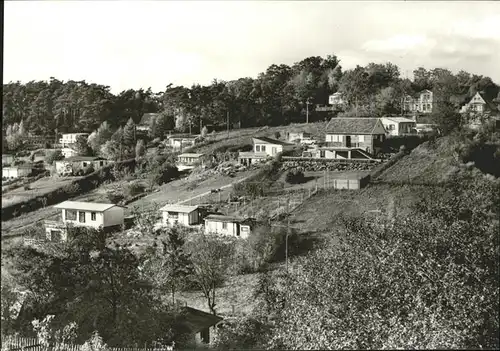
(425, 281)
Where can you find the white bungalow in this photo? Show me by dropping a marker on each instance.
(397, 126)
(189, 161)
(228, 225)
(180, 214)
(84, 214)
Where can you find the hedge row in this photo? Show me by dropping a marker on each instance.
(75, 188)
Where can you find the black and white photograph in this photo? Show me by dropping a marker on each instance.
(250, 175)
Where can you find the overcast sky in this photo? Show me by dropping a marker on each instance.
(126, 44)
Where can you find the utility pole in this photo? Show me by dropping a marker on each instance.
(287, 231)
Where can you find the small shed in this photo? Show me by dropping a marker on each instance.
(200, 324)
(16, 171)
(180, 214)
(228, 225)
(189, 160)
(248, 158)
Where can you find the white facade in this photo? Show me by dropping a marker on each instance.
(84, 214)
(396, 126)
(93, 218)
(70, 138)
(15, 172)
(423, 103)
(476, 104)
(270, 146)
(180, 214)
(224, 225)
(336, 99)
(68, 152)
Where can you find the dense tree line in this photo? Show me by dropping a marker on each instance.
(277, 96)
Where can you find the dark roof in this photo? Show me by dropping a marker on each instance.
(272, 141)
(84, 158)
(197, 320)
(352, 125)
(146, 118)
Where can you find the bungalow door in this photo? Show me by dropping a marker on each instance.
(348, 141)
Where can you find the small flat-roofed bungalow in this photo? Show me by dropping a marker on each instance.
(270, 146)
(180, 214)
(228, 225)
(189, 161)
(19, 171)
(84, 214)
(397, 126)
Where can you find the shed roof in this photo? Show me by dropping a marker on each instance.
(85, 206)
(354, 125)
(190, 155)
(272, 141)
(147, 117)
(224, 218)
(83, 158)
(399, 119)
(197, 320)
(178, 208)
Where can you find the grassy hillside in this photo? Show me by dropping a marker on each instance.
(429, 162)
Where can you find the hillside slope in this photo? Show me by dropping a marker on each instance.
(399, 188)
(427, 163)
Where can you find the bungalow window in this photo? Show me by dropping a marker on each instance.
(81, 217)
(84, 164)
(322, 153)
(101, 163)
(92, 216)
(257, 148)
(224, 225)
(70, 215)
(263, 148)
(173, 215)
(391, 126)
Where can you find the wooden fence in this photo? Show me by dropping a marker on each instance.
(17, 343)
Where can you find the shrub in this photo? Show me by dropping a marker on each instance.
(133, 189)
(114, 197)
(53, 156)
(295, 176)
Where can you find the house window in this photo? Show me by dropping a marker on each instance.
(257, 148)
(224, 225)
(391, 127)
(263, 148)
(101, 163)
(173, 215)
(274, 151)
(322, 153)
(92, 216)
(81, 217)
(70, 215)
